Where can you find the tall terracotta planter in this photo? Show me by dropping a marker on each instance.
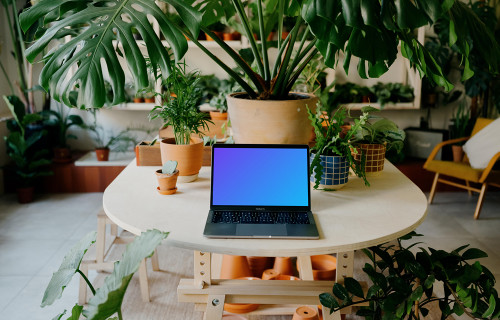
(189, 157)
(375, 157)
(270, 121)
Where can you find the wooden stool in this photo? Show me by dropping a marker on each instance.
(100, 264)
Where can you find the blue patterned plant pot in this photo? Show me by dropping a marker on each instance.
(335, 172)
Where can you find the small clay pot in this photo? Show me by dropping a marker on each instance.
(458, 153)
(216, 115)
(102, 154)
(324, 267)
(25, 195)
(234, 267)
(283, 265)
(270, 274)
(138, 100)
(167, 182)
(305, 313)
(287, 277)
(259, 264)
(242, 307)
(219, 35)
(149, 100)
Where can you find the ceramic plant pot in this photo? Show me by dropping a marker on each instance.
(270, 274)
(102, 154)
(167, 182)
(324, 267)
(242, 307)
(189, 157)
(138, 100)
(375, 157)
(270, 121)
(259, 264)
(25, 195)
(283, 265)
(234, 267)
(287, 277)
(216, 115)
(149, 100)
(62, 155)
(305, 313)
(335, 172)
(458, 153)
(219, 35)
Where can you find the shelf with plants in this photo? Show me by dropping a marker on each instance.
(132, 106)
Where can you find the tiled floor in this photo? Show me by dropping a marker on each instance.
(35, 237)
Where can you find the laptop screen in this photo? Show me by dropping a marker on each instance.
(260, 176)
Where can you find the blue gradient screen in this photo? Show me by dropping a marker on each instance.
(260, 177)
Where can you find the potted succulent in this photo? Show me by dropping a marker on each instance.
(402, 284)
(167, 177)
(179, 110)
(61, 122)
(372, 32)
(331, 155)
(373, 139)
(29, 163)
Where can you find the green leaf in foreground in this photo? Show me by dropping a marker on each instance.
(109, 297)
(68, 268)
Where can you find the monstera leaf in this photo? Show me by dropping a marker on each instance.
(95, 27)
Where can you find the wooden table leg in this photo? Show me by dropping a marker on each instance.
(305, 267)
(215, 307)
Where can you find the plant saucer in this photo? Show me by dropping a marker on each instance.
(170, 191)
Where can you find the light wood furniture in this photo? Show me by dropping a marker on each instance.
(355, 217)
(100, 262)
(463, 170)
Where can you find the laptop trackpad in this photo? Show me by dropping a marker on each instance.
(261, 230)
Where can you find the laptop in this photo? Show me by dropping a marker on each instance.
(260, 191)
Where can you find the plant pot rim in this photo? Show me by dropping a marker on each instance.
(159, 173)
(171, 140)
(102, 148)
(301, 97)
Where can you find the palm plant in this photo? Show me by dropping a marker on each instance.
(369, 30)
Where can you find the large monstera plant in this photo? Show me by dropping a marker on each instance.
(367, 29)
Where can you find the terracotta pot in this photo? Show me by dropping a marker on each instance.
(167, 182)
(270, 121)
(284, 34)
(236, 35)
(257, 265)
(216, 115)
(138, 100)
(149, 100)
(375, 156)
(270, 37)
(25, 195)
(62, 155)
(242, 307)
(219, 34)
(234, 267)
(305, 313)
(102, 154)
(287, 277)
(458, 153)
(335, 172)
(283, 265)
(228, 36)
(189, 157)
(270, 274)
(324, 267)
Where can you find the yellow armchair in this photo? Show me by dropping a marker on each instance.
(463, 170)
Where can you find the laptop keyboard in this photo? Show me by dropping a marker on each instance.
(239, 217)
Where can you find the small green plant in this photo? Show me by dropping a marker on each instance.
(103, 139)
(180, 105)
(169, 167)
(62, 121)
(460, 126)
(226, 87)
(403, 283)
(332, 139)
(381, 131)
(107, 300)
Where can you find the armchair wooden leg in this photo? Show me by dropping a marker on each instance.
(479, 205)
(433, 188)
(469, 191)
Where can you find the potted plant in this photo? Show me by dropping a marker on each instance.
(179, 110)
(403, 282)
(107, 141)
(459, 128)
(392, 93)
(167, 177)
(61, 122)
(219, 102)
(139, 97)
(29, 163)
(217, 29)
(373, 139)
(331, 155)
(373, 36)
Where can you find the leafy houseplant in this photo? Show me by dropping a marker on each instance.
(370, 30)
(107, 141)
(334, 140)
(373, 139)
(392, 92)
(107, 300)
(460, 127)
(30, 163)
(402, 284)
(219, 101)
(180, 112)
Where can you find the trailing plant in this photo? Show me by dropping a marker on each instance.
(381, 131)
(179, 107)
(107, 300)
(62, 121)
(369, 30)
(335, 139)
(30, 162)
(403, 282)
